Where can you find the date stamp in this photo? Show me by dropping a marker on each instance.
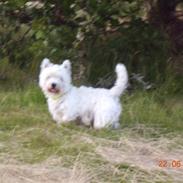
(170, 163)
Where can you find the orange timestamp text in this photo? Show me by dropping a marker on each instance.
(170, 163)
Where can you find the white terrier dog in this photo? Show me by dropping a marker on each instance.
(93, 106)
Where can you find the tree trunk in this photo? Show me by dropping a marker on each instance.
(163, 14)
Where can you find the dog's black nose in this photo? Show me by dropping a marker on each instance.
(53, 85)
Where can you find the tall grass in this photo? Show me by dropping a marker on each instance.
(154, 108)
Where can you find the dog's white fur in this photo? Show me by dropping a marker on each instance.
(66, 102)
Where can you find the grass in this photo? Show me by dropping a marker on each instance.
(151, 130)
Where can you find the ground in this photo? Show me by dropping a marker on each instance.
(147, 147)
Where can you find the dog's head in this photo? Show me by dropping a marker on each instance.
(54, 79)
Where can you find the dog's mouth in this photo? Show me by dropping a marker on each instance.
(53, 90)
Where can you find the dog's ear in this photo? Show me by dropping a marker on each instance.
(67, 64)
(45, 63)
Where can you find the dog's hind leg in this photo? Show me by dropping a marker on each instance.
(100, 121)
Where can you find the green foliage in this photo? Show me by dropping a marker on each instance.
(92, 32)
(142, 49)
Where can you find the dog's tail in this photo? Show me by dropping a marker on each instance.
(121, 81)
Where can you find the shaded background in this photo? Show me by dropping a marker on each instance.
(145, 35)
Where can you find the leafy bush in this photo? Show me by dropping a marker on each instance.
(96, 34)
(142, 49)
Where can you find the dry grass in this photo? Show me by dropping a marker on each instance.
(40, 173)
(145, 155)
(34, 149)
(130, 158)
